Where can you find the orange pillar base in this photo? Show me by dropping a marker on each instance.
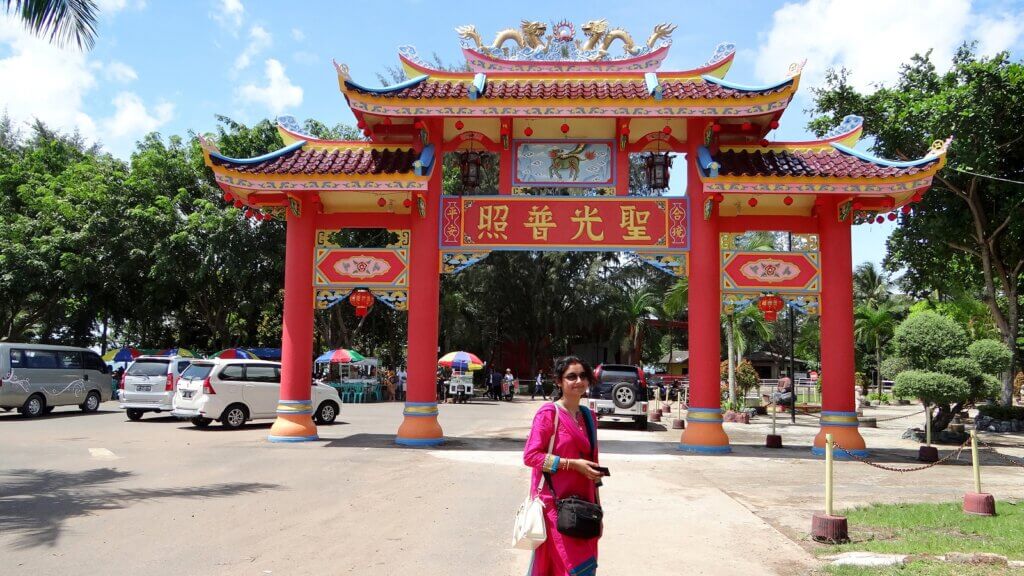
(294, 422)
(844, 432)
(703, 433)
(420, 426)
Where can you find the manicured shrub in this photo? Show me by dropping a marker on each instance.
(992, 355)
(926, 337)
(931, 387)
(893, 365)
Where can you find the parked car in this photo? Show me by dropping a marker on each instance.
(149, 384)
(36, 378)
(236, 391)
(620, 392)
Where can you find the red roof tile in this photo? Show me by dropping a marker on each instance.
(830, 164)
(314, 161)
(569, 89)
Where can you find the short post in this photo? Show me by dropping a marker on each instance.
(773, 440)
(828, 527)
(656, 414)
(679, 423)
(977, 502)
(928, 453)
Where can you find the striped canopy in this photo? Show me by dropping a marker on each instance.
(176, 352)
(235, 353)
(462, 361)
(122, 354)
(340, 356)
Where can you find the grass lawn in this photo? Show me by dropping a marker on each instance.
(932, 530)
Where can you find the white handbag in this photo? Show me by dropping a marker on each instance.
(530, 530)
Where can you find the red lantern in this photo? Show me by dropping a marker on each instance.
(905, 209)
(528, 131)
(381, 202)
(459, 125)
(891, 216)
(666, 130)
(764, 143)
(716, 128)
(788, 200)
(880, 219)
(238, 203)
(752, 202)
(470, 164)
(718, 197)
(228, 197)
(407, 203)
(248, 213)
(362, 300)
(770, 305)
(658, 170)
(773, 124)
(565, 128)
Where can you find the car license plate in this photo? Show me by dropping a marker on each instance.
(186, 393)
(142, 387)
(606, 411)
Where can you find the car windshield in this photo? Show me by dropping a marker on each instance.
(148, 368)
(197, 372)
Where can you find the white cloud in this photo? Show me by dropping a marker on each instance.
(119, 72)
(998, 33)
(229, 14)
(872, 38)
(277, 95)
(298, 35)
(259, 40)
(303, 57)
(131, 117)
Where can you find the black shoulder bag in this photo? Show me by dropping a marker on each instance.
(578, 518)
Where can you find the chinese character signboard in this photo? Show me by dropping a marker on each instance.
(564, 223)
(587, 164)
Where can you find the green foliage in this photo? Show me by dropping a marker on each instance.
(746, 376)
(972, 314)
(926, 336)
(991, 355)
(64, 22)
(999, 412)
(932, 387)
(960, 367)
(893, 365)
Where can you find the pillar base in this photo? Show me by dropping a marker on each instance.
(420, 426)
(843, 428)
(294, 422)
(703, 433)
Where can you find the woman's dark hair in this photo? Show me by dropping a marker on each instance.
(560, 367)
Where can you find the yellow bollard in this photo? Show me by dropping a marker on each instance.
(927, 424)
(828, 474)
(975, 463)
(977, 502)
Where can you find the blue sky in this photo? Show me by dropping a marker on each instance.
(171, 66)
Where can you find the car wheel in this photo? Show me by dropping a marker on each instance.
(134, 414)
(641, 423)
(327, 413)
(234, 416)
(92, 402)
(624, 395)
(34, 406)
(200, 422)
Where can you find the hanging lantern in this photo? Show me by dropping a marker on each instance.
(470, 163)
(770, 305)
(657, 170)
(528, 131)
(362, 300)
(788, 200)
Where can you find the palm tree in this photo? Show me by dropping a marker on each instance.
(874, 326)
(742, 329)
(870, 286)
(638, 307)
(63, 21)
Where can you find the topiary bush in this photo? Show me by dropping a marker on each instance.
(893, 365)
(926, 336)
(931, 387)
(991, 355)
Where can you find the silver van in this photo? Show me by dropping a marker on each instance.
(36, 378)
(149, 384)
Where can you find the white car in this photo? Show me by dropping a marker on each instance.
(149, 383)
(236, 391)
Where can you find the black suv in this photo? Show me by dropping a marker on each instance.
(620, 392)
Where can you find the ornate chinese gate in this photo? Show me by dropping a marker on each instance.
(568, 113)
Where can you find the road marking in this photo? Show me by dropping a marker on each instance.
(102, 454)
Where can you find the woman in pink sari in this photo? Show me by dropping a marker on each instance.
(568, 471)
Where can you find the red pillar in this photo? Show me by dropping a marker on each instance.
(838, 408)
(420, 426)
(703, 433)
(294, 409)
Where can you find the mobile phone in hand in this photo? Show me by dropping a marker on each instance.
(604, 471)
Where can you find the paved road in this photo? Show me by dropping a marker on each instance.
(88, 494)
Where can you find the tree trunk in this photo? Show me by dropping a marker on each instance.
(943, 416)
(878, 367)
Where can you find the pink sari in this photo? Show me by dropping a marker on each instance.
(561, 555)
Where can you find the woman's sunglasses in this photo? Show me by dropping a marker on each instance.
(574, 376)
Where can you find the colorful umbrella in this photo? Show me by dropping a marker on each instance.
(462, 361)
(340, 356)
(122, 354)
(176, 352)
(235, 353)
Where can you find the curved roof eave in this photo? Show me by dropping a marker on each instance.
(269, 156)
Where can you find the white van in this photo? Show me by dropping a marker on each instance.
(36, 378)
(149, 384)
(236, 391)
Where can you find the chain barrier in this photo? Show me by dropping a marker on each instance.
(1002, 456)
(952, 455)
(898, 417)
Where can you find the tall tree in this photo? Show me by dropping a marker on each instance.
(64, 21)
(967, 235)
